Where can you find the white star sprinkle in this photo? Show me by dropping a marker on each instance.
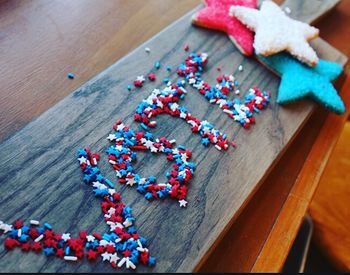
(111, 137)
(106, 256)
(82, 160)
(174, 107)
(66, 236)
(184, 157)
(104, 242)
(206, 130)
(127, 223)
(111, 211)
(114, 258)
(120, 127)
(183, 203)
(130, 181)
(148, 144)
(140, 78)
(191, 81)
(99, 185)
(183, 115)
(6, 227)
(113, 226)
(90, 238)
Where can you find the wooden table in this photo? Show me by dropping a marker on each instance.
(41, 42)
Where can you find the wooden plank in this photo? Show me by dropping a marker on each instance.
(244, 236)
(48, 144)
(300, 10)
(300, 197)
(329, 207)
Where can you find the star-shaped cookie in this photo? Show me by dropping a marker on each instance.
(216, 16)
(276, 32)
(299, 80)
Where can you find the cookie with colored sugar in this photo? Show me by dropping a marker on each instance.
(216, 16)
(276, 32)
(299, 80)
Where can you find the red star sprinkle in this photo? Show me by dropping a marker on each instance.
(116, 196)
(33, 232)
(79, 254)
(26, 247)
(152, 77)
(10, 243)
(36, 246)
(110, 249)
(58, 237)
(47, 243)
(100, 249)
(49, 234)
(18, 224)
(91, 255)
(82, 235)
(60, 253)
(138, 83)
(126, 253)
(216, 16)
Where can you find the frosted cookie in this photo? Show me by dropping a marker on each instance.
(276, 32)
(299, 80)
(216, 16)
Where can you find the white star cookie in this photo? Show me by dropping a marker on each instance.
(276, 32)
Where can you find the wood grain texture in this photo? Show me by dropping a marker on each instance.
(330, 205)
(300, 10)
(300, 195)
(239, 249)
(85, 118)
(41, 42)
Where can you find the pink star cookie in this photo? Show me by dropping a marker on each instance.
(216, 16)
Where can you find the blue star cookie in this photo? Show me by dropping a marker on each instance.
(299, 80)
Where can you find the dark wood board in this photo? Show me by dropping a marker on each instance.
(40, 177)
